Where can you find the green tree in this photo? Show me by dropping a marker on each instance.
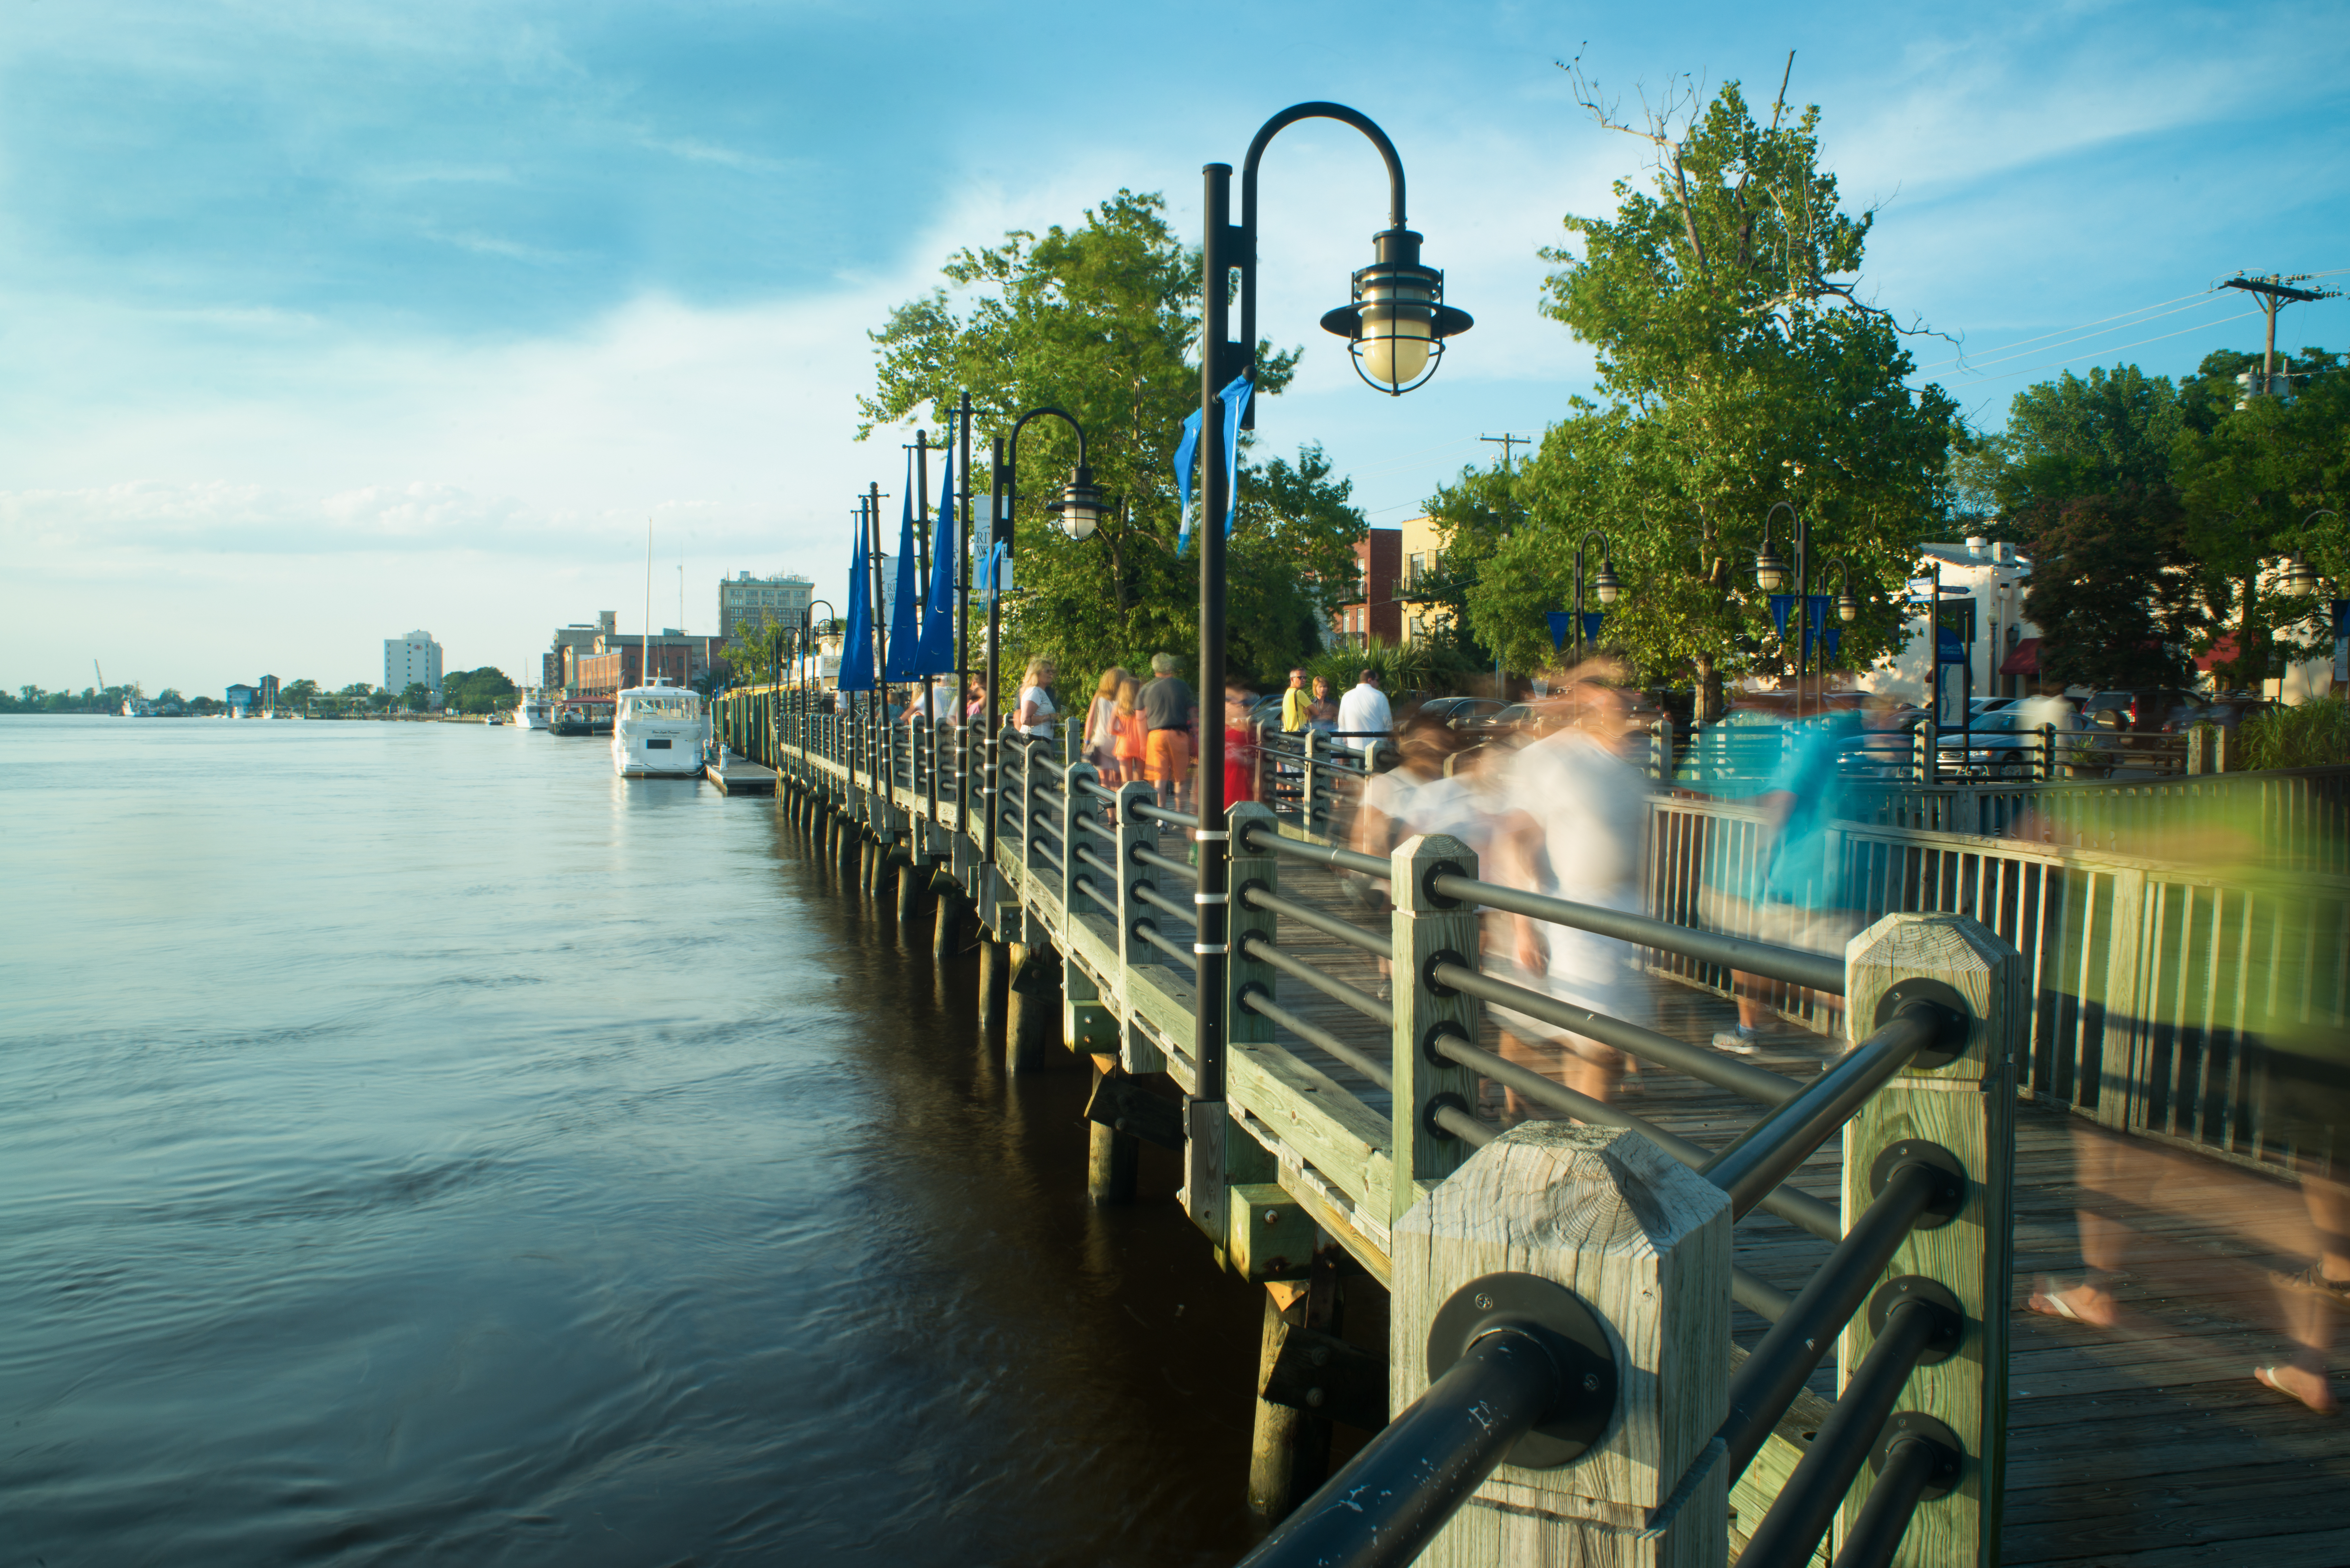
(297, 696)
(1739, 369)
(2088, 435)
(1098, 321)
(2251, 471)
(478, 690)
(2113, 610)
(415, 697)
(760, 647)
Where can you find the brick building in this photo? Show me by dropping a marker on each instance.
(618, 662)
(1374, 613)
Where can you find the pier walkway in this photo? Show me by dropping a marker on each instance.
(1361, 1094)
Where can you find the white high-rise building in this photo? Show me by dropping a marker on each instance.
(745, 598)
(414, 657)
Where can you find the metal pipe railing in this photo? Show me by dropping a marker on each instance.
(1807, 1503)
(1769, 1150)
(1255, 999)
(1877, 1529)
(1160, 814)
(1338, 991)
(1392, 1498)
(1145, 931)
(1329, 925)
(1144, 893)
(1768, 1382)
(1752, 1083)
(1798, 1208)
(1151, 857)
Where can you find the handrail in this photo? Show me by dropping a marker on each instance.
(1087, 857)
(1798, 1208)
(1767, 1152)
(1149, 933)
(1772, 1375)
(1820, 971)
(1329, 925)
(1752, 1083)
(1144, 893)
(1255, 999)
(1160, 814)
(1151, 857)
(1338, 991)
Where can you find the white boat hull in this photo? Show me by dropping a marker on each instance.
(658, 731)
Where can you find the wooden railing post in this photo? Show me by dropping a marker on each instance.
(1644, 1243)
(1968, 1108)
(1311, 780)
(1425, 927)
(1135, 832)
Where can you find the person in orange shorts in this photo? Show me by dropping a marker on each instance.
(1169, 711)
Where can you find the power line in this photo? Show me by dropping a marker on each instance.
(2116, 348)
(2015, 352)
(1505, 442)
(2060, 332)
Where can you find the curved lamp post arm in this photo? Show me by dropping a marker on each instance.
(1265, 133)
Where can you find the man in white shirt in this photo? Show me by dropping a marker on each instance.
(1364, 716)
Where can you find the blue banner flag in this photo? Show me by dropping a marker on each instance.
(1234, 394)
(1782, 607)
(856, 647)
(935, 654)
(1953, 651)
(1591, 620)
(905, 627)
(1561, 622)
(1817, 608)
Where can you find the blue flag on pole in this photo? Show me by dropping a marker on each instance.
(1782, 607)
(1235, 395)
(856, 647)
(936, 654)
(1591, 620)
(1561, 623)
(905, 624)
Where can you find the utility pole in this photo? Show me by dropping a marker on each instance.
(1505, 442)
(2274, 292)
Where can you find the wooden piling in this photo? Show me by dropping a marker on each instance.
(994, 980)
(1112, 1156)
(946, 927)
(1032, 1020)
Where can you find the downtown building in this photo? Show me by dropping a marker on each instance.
(411, 659)
(743, 598)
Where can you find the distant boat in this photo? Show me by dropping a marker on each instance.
(533, 711)
(138, 708)
(582, 716)
(658, 731)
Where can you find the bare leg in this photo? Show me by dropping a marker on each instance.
(1593, 1070)
(2309, 1310)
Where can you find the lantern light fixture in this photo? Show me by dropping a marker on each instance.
(1396, 321)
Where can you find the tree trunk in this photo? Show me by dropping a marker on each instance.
(1708, 690)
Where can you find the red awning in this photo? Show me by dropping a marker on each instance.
(2024, 660)
(2222, 651)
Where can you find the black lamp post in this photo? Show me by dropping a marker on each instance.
(1607, 585)
(806, 640)
(1395, 323)
(1772, 575)
(1080, 509)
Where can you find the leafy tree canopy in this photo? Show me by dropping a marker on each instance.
(1740, 369)
(1100, 320)
(2080, 436)
(477, 691)
(2114, 612)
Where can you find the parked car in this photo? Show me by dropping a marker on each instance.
(2001, 745)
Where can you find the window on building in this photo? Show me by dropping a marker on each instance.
(1413, 570)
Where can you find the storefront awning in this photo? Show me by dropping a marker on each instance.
(2024, 659)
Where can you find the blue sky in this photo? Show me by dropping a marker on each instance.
(319, 321)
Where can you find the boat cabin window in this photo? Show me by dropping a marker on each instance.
(662, 705)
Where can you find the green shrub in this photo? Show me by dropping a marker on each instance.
(2312, 734)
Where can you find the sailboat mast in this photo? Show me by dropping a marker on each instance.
(645, 669)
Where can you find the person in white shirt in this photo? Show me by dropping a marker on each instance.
(1572, 828)
(1364, 716)
(1034, 713)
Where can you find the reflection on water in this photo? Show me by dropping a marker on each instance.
(416, 1141)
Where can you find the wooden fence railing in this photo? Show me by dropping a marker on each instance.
(1561, 1293)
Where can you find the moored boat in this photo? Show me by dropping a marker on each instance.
(658, 731)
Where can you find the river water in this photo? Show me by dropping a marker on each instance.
(418, 1145)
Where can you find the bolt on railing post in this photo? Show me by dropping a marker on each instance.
(1424, 928)
(1603, 1217)
(1135, 832)
(1967, 1107)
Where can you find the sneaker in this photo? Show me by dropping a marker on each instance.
(2312, 1279)
(1739, 1042)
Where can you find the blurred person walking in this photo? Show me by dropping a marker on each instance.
(1364, 716)
(1101, 725)
(1573, 820)
(1034, 713)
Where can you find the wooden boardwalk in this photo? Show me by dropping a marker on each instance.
(2148, 1445)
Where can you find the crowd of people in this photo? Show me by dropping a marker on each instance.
(1558, 807)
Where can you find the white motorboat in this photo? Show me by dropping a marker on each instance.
(658, 731)
(533, 712)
